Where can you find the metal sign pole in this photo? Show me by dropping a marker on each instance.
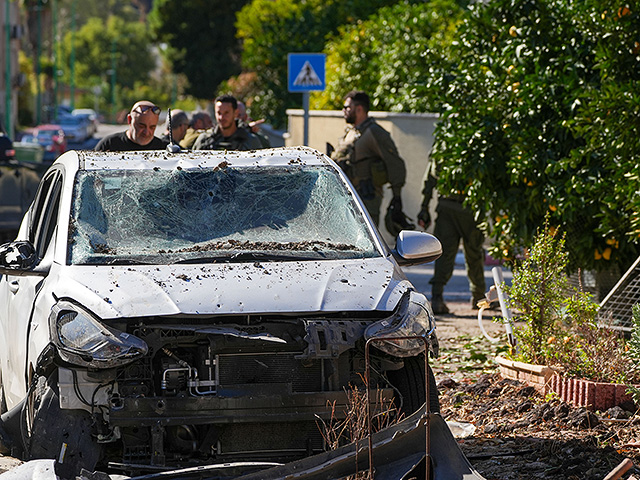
(305, 105)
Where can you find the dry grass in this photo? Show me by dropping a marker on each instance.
(352, 426)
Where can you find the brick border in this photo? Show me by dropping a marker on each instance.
(592, 395)
(576, 391)
(538, 376)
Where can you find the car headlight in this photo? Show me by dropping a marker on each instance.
(82, 340)
(412, 318)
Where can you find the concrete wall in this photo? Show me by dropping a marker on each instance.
(412, 133)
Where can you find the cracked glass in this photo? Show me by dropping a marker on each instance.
(216, 214)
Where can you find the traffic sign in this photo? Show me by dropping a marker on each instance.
(306, 71)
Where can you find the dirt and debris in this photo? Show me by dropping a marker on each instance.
(315, 245)
(520, 434)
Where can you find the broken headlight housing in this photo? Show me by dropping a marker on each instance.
(81, 339)
(412, 318)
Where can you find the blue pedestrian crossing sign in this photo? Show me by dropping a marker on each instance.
(306, 71)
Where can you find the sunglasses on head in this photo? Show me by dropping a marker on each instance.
(142, 109)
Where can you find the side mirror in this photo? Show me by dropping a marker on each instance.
(414, 247)
(17, 258)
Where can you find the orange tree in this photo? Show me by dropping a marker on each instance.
(541, 116)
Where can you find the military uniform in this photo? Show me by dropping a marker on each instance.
(454, 222)
(369, 157)
(241, 139)
(190, 138)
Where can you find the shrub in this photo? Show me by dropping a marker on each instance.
(559, 321)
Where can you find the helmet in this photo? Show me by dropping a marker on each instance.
(395, 221)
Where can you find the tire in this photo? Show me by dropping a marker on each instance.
(409, 384)
(53, 430)
(3, 401)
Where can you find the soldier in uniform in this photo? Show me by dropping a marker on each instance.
(200, 122)
(252, 125)
(369, 157)
(227, 135)
(454, 222)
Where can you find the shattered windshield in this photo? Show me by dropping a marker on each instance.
(215, 214)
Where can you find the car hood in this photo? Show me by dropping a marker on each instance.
(234, 288)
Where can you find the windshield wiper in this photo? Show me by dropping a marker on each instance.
(126, 261)
(266, 257)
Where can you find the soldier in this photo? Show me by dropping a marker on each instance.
(252, 125)
(227, 135)
(369, 157)
(454, 222)
(200, 122)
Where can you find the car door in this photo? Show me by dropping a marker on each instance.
(18, 293)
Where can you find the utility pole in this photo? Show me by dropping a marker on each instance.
(38, 66)
(113, 78)
(54, 11)
(72, 60)
(7, 69)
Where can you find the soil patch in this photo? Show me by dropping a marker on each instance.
(519, 433)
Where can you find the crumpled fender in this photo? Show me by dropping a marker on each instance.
(397, 450)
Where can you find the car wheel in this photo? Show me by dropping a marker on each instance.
(62, 434)
(3, 402)
(409, 382)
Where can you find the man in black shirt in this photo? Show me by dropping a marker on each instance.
(142, 120)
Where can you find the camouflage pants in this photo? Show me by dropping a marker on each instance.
(455, 223)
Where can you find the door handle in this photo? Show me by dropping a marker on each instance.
(14, 286)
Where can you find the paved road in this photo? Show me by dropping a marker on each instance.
(90, 143)
(457, 290)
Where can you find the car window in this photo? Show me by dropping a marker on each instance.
(50, 218)
(211, 214)
(35, 219)
(47, 134)
(45, 216)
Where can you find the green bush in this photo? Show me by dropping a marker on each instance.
(559, 326)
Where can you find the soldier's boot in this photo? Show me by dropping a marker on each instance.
(437, 304)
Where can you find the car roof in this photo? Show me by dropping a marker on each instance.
(154, 159)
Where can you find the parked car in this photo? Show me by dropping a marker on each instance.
(76, 128)
(52, 139)
(91, 117)
(18, 184)
(163, 310)
(7, 151)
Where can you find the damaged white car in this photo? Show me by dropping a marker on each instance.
(162, 311)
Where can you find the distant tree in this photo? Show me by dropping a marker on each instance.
(86, 9)
(270, 29)
(96, 43)
(201, 39)
(541, 117)
(388, 56)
